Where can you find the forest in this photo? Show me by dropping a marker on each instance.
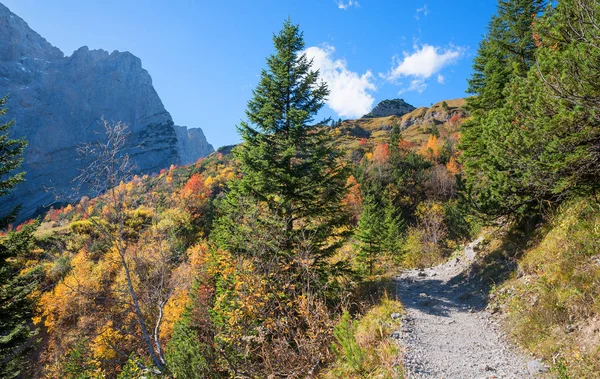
(275, 258)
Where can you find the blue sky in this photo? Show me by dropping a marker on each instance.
(205, 56)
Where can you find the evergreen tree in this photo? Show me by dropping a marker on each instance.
(282, 221)
(393, 226)
(370, 234)
(538, 143)
(395, 138)
(507, 51)
(505, 55)
(380, 228)
(566, 121)
(11, 157)
(15, 287)
(287, 161)
(16, 309)
(186, 355)
(544, 141)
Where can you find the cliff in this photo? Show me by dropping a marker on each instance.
(58, 102)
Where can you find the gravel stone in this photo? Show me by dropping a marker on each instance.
(447, 332)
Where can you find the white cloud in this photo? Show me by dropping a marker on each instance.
(423, 63)
(350, 92)
(347, 4)
(441, 79)
(423, 10)
(417, 85)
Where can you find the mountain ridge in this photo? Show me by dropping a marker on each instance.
(390, 107)
(58, 101)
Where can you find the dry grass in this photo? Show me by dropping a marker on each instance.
(380, 354)
(553, 307)
(378, 129)
(47, 229)
(454, 103)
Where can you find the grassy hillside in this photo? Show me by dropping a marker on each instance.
(552, 301)
(416, 125)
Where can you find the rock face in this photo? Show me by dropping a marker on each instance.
(58, 102)
(395, 107)
(191, 144)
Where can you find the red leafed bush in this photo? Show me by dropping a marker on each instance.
(195, 194)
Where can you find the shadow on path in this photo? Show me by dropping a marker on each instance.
(437, 296)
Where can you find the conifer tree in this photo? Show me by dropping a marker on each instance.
(11, 157)
(280, 222)
(542, 144)
(186, 354)
(505, 55)
(286, 159)
(379, 231)
(395, 138)
(16, 308)
(15, 287)
(393, 226)
(370, 234)
(507, 51)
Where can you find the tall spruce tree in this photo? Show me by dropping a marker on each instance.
(282, 221)
(507, 51)
(395, 138)
(287, 160)
(505, 55)
(16, 308)
(380, 228)
(393, 226)
(543, 143)
(15, 287)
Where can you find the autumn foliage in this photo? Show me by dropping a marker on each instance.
(353, 198)
(195, 193)
(381, 154)
(431, 149)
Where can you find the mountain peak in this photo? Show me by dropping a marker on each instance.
(394, 107)
(58, 103)
(19, 40)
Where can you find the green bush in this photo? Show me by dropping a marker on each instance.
(185, 356)
(346, 348)
(363, 347)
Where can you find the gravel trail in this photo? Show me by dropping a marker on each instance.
(446, 331)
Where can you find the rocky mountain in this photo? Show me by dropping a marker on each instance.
(191, 144)
(395, 107)
(58, 101)
(416, 126)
